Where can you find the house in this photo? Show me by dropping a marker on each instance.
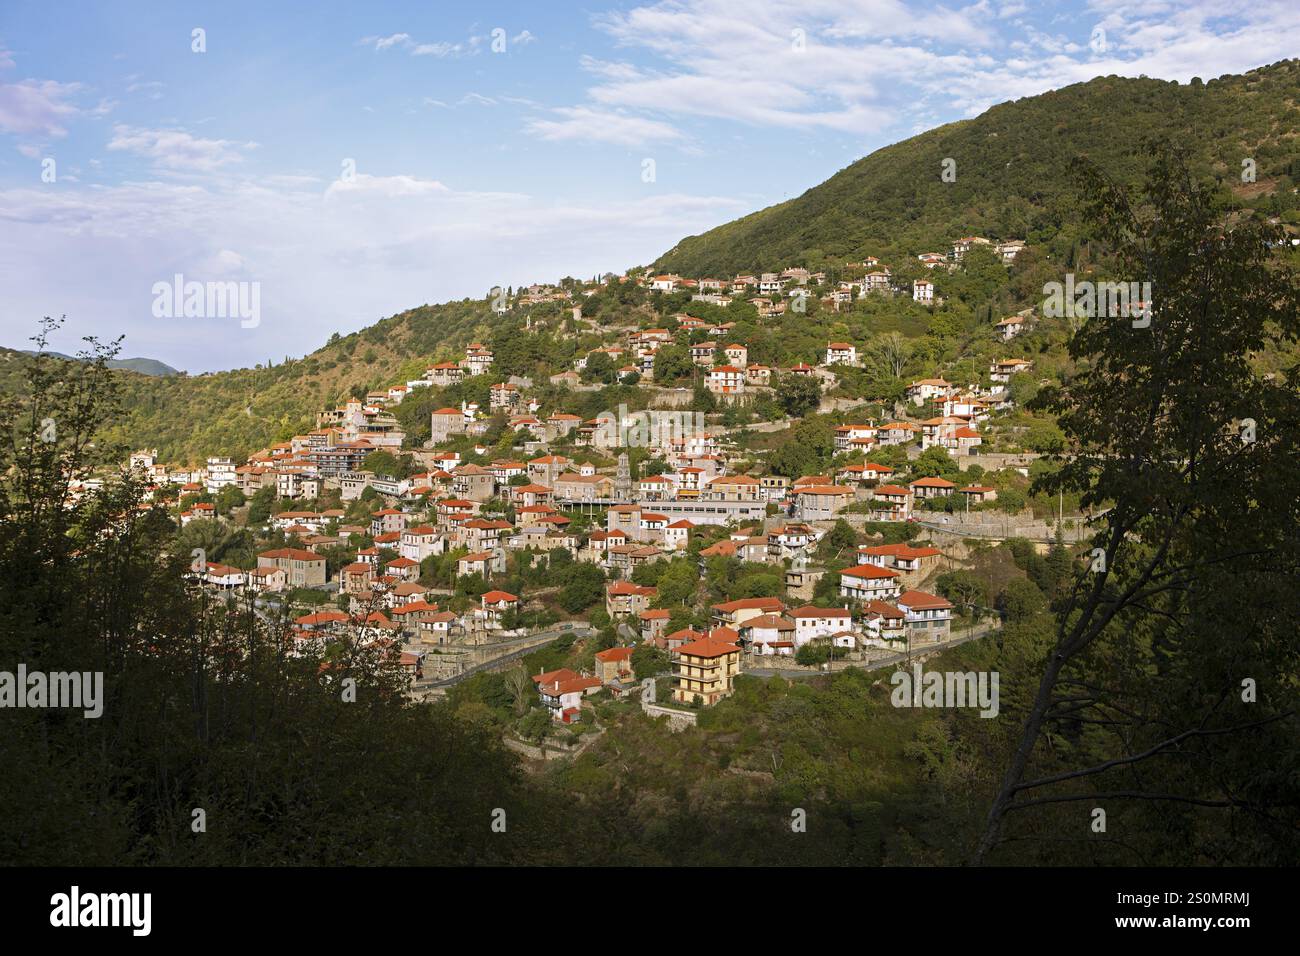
(656, 488)
(901, 557)
(223, 577)
(978, 494)
(791, 539)
(482, 563)
(964, 440)
(965, 244)
(677, 535)
(387, 521)
(923, 291)
(732, 488)
(924, 488)
(561, 423)
(614, 664)
(940, 431)
(623, 598)
(1007, 251)
(702, 354)
(928, 616)
(478, 359)
(855, 437)
(444, 373)
(737, 355)
(734, 614)
(868, 582)
(927, 389)
(1010, 327)
(768, 634)
(774, 487)
(704, 670)
(546, 468)
(876, 281)
(883, 624)
(356, 578)
(480, 534)
(473, 482)
(494, 604)
(653, 623)
(726, 380)
(575, 487)
(1002, 371)
(402, 569)
(436, 628)
(420, 542)
(841, 353)
(303, 568)
(446, 422)
(813, 622)
(266, 578)
(821, 502)
(896, 433)
(561, 692)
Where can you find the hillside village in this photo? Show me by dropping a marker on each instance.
(448, 554)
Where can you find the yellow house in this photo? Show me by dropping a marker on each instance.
(704, 670)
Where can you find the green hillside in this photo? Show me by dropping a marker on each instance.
(1010, 172)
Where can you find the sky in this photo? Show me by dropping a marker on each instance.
(342, 162)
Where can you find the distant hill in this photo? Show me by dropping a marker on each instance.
(1011, 165)
(145, 366)
(238, 411)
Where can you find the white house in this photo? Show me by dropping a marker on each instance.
(868, 582)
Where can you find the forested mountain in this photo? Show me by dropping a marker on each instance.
(1010, 164)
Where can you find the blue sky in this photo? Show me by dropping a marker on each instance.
(491, 143)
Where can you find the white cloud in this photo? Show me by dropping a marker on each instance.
(153, 89)
(37, 107)
(871, 66)
(177, 150)
(326, 257)
(404, 41)
(584, 123)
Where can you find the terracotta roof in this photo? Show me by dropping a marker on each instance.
(920, 600)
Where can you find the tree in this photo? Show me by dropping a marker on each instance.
(259, 509)
(798, 394)
(890, 352)
(1188, 449)
(673, 364)
(648, 660)
(838, 540)
(584, 586)
(1021, 599)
